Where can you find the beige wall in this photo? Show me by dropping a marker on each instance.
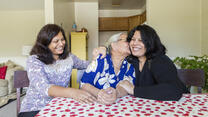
(64, 14)
(86, 15)
(178, 25)
(204, 5)
(18, 28)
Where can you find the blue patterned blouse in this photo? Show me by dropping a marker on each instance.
(100, 73)
(43, 76)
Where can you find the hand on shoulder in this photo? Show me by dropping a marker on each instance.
(99, 50)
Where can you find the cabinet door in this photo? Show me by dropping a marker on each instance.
(143, 17)
(113, 23)
(134, 21)
(79, 45)
(78, 48)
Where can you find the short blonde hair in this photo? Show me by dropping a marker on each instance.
(113, 38)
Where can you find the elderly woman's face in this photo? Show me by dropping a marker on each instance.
(137, 46)
(122, 45)
(57, 44)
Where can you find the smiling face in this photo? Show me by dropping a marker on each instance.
(57, 45)
(137, 46)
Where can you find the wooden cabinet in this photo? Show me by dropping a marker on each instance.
(121, 23)
(79, 48)
(143, 17)
(134, 21)
(113, 23)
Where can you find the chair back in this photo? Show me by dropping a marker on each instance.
(192, 77)
(20, 80)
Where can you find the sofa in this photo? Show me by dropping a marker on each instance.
(7, 90)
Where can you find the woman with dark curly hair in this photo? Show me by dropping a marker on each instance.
(49, 69)
(156, 74)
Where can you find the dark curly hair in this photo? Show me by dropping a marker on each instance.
(44, 38)
(151, 40)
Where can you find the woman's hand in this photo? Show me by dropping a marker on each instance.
(107, 96)
(100, 50)
(121, 91)
(129, 87)
(83, 96)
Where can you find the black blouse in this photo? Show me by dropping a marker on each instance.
(158, 79)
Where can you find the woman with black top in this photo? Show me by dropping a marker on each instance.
(156, 74)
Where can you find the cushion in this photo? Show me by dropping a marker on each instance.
(3, 87)
(3, 83)
(10, 64)
(2, 64)
(3, 91)
(10, 77)
(3, 72)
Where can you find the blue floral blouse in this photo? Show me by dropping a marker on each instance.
(100, 73)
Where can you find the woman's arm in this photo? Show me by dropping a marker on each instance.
(91, 89)
(104, 96)
(120, 91)
(37, 76)
(127, 86)
(99, 50)
(107, 96)
(82, 64)
(39, 82)
(78, 63)
(77, 94)
(167, 85)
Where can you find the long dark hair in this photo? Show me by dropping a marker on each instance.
(151, 40)
(44, 38)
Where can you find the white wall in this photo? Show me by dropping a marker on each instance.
(204, 6)
(86, 15)
(178, 25)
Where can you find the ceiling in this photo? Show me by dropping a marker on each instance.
(103, 4)
(123, 4)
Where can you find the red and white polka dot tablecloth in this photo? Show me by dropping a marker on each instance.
(194, 105)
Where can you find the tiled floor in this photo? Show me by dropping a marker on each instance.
(9, 110)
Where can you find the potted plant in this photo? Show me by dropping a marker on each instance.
(194, 62)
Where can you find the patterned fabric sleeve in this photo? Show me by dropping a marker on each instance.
(37, 77)
(91, 72)
(78, 63)
(130, 74)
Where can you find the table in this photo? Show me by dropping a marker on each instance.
(190, 105)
